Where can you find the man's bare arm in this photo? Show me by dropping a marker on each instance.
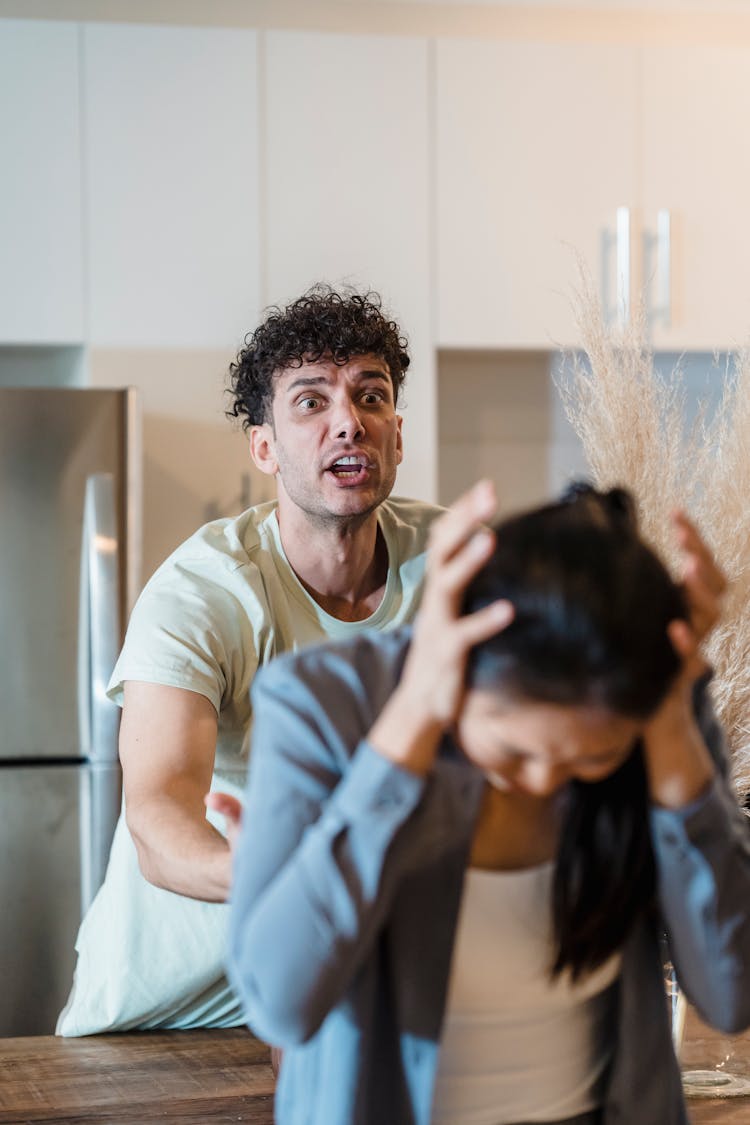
(167, 749)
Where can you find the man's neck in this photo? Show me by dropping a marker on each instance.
(343, 564)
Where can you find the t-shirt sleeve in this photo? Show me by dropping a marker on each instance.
(191, 631)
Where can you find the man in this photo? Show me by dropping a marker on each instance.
(316, 387)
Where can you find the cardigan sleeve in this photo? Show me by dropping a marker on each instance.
(317, 861)
(703, 863)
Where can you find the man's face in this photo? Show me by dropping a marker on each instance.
(335, 441)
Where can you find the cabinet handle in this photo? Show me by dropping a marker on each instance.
(657, 270)
(663, 266)
(623, 266)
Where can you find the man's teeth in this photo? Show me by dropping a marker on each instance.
(348, 465)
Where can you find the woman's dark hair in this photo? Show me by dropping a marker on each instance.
(591, 607)
(321, 324)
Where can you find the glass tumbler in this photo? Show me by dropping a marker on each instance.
(708, 1059)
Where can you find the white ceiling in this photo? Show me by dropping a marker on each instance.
(602, 5)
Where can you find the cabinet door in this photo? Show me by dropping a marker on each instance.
(696, 164)
(41, 272)
(348, 191)
(536, 147)
(171, 136)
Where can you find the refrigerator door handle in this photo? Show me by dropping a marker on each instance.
(99, 619)
(98, 642)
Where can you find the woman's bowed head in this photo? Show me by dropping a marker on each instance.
(461, 843)
(561, 656)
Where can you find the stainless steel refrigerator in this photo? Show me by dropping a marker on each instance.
(69, 540)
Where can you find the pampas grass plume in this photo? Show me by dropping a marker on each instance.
(632, 423)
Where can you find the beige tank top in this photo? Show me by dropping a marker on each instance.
(516, 1046)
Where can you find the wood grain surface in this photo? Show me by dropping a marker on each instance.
(207, 1077)
(190, 1077)
(705, 1049)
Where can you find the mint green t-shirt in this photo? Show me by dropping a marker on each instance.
(224, 603)
(227, 601)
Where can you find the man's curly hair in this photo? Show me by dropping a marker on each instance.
(321, 324)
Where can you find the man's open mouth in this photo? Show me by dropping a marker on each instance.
(349, 467)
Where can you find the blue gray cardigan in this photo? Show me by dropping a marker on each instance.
(348, 879)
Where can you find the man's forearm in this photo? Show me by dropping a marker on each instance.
(180, 851)
(167, 748)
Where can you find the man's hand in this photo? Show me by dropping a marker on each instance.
(231, 809)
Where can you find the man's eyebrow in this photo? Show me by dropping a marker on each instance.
(324, 380)
(374, 373)
(308, 381)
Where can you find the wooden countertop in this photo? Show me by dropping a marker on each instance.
(205, 1077)
(702, 1049)
(189, 1077)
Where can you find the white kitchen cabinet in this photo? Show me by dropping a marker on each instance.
(41, 272)
(536, 147)
(348, 193)
(539, 145)
(171, 185)
(696, 166)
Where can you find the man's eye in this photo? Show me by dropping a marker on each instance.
(372, 398)
(309, 403)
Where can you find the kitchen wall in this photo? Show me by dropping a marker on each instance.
(501, 416)
(196, 462)
(497, 418)
(173, 167)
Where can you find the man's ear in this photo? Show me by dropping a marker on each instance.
(399, 440)
(263, 449)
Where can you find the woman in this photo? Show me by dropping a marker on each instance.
(460, 846)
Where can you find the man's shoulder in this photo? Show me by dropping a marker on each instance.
(221, 547)
(204, 618)
(404, 509)
(217, 583)
(409, 521)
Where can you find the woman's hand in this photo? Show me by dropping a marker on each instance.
(678, 763)
(428, 698)
(702, 579)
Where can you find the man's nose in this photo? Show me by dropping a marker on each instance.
(346, 422)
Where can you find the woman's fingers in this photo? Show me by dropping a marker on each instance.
(682, 639)
(454, 575)
(465, 517)
(485, 623)
(687, 647)
(703, 601)
(699, 553)
(460, 545)
(703, 580)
